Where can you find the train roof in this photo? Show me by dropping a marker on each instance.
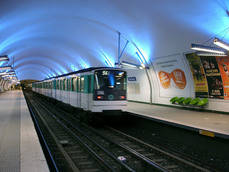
(79, 71)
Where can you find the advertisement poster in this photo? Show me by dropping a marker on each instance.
(215, 85)
(200, 81)
(223, 64)
(171, 76)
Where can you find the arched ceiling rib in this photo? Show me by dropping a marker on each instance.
(63, 36)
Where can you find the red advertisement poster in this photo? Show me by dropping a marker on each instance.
(223, 63)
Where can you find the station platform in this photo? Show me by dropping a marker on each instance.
(20, 149)
(206, 123)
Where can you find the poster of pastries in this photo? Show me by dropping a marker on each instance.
(171, 76)
(200, 81)
(223, 64)
(212, 72)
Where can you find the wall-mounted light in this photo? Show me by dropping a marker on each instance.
(125, 63)
(209, 54)
(3, 73)
(221, 44)
(132, 65)
(204, 48)
(5, 68)
(4, 58)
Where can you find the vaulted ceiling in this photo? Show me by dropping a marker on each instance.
(44, 38)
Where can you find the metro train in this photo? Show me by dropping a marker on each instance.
(96, 89)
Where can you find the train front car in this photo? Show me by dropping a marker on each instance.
(109, 91)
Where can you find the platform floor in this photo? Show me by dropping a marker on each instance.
(193, 120)
(20, 148)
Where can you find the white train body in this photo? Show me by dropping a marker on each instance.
(92, 89)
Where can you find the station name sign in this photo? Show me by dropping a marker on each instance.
(132, 78)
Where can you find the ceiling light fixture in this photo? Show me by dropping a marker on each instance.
(5, 67)
(221, 44)
(4, 58)
(130, 64)
(209, 54)
(204, 48)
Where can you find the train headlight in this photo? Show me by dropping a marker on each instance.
(99, 97)
(122, 97)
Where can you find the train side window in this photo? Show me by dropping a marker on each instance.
(82, 84)
(67, 81)
(72, 83)
(69, 84)
(78, 84)
(66, 84)
(89, 84)
(63, 84)
(74, 80)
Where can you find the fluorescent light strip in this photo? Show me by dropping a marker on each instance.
(210, 54)
(4, 59)
(130, 64)
(221, 44)
(207, 48)
(3, 73)
(5, 67)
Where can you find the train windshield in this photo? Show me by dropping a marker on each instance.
(110, 79)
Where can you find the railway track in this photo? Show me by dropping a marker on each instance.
(80, 153)
(117, 151)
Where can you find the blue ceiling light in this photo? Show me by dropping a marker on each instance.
(73, 67)
(108, 61)
(141, 59)
(106, 58)
(84, 64)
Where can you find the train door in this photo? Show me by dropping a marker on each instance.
(58, 90)
(69, 89)
(54, 89)
(61, 89)
(88, 91)
(64, 94)
(78, 93)
(81, 91)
